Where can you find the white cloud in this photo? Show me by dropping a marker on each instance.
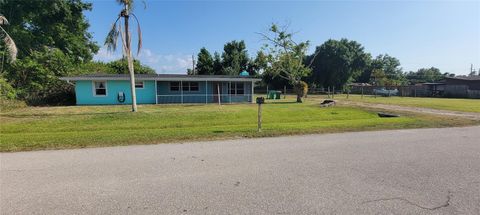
(167, 64)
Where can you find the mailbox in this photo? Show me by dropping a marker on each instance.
(260, 100)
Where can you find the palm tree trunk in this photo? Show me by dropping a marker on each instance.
(130, 65)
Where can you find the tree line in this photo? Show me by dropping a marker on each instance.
(334, 63)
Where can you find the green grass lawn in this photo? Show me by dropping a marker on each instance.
(466, 105)
(36, 128)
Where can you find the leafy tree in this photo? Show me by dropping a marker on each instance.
(390, 66)
(114, 67)
(52, 23)
(36, 77)
(234, 58)
(52, 41)
(111, 41)
(257, 65)
(204, 63)
(6, 90)
(338, 62)
(285, 58)
(217, 64)
(121, 67)
(425, 75)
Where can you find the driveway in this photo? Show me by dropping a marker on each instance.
(422, 171)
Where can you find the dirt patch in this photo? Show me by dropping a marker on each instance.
(474, 116)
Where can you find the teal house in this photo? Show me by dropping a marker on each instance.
(112, 89)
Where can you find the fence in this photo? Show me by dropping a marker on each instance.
(427, 90)
(203, 98)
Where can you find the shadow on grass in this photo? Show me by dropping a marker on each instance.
(61, 114)
(282, 102)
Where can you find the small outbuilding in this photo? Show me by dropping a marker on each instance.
(462, 86)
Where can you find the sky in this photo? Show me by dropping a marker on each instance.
(421, 34)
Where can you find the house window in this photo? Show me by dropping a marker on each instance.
(186, 86)
(240, 90)
(100, 88)
(237, 88)
(139, 84)
(193, 86)
(174, 86)
(190, 86)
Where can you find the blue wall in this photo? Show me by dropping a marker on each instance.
(84, 91)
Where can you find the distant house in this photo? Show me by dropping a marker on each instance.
(110, 89)
(462, 86)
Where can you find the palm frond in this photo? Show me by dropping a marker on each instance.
(126, 2)
(124, 44)
(10, 45)
(139, 31)
(112, 36)
(3, 20)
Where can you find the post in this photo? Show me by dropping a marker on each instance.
(251, 93)
(230, 91)
(206, 92)
(328, 92)
(284, 91)
(181, 91)
(218, 94)
(267, 91)
(414, 91)
(362, 92)
(259, 117)
(156, 92)
(333, 92)
(348, 92)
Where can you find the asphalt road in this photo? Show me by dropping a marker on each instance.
(423, 171)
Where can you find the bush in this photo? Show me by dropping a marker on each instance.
(6, 90)
(301, 89)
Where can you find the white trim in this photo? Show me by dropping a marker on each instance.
(156, 93)
(181, 90)
(94, 90)
(251, 93)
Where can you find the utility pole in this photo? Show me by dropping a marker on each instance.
(193, 64)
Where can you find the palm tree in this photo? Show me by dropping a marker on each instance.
(111, 41)
(9, 43)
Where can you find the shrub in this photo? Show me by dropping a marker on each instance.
(301, 89)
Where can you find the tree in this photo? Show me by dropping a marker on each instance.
(285, 58)
(121, 67)
(8, 42)
(425, 75)
(234, 58)
(52, 41)
(390, 66)
(36, 77)
(111, 42)
(204, 63)
(257, 65)
(217, 64)
(338, 62)
(55, 23)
